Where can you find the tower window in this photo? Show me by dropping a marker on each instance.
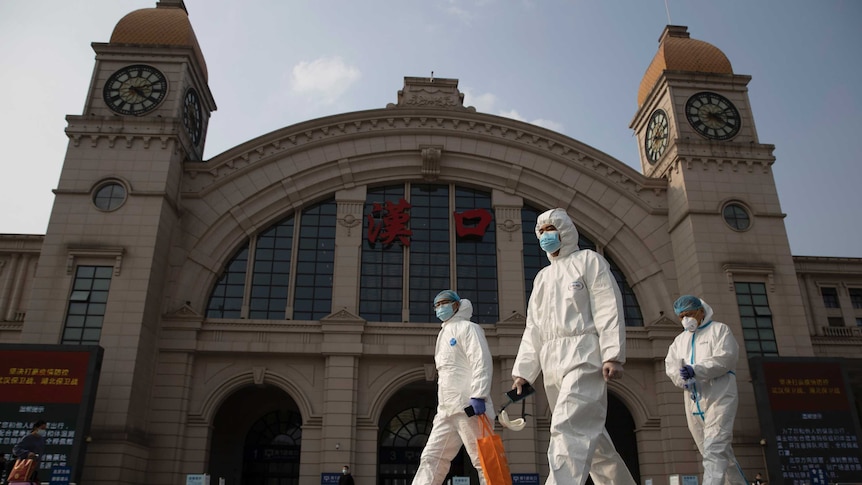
(856, 297)
(736, 216)
(109, 196)
(87, 303)
(756, 318)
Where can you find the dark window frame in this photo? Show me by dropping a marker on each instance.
(87, 305)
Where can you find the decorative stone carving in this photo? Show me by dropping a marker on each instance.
(431, 161)
(258, 373)
(116, 253)
(510, 227)
(437, 93)
(766, 272)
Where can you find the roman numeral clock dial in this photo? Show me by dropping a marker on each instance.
(655, 141)
(713, 116)
(135, 90)
(192, 115)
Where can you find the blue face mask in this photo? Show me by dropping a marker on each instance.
(445, 312)
(550, 241)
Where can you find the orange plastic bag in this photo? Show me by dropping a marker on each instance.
(23, 470)
(495, 466)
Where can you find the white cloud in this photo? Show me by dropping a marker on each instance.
(460, 14)
(513, 114)
(549, 124)
(484, 103)
(324, 79)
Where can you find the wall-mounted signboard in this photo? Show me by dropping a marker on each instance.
(54, 383)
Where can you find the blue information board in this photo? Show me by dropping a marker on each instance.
(525, 479)
(61, 475)
(329, 478)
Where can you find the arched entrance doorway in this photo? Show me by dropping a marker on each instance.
(405, 424)
(621, 427)
(257, 438)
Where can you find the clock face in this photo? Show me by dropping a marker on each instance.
(135, 90)
(192, 115)
(655, 141)
(713, 115)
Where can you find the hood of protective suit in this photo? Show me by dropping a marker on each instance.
(465, 312)
(568, 232)
(707, 313)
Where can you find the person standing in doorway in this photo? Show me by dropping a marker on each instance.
(576, 337)
(346, 478)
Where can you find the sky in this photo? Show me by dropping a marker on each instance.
(571, 66)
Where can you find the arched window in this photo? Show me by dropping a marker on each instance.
(401, 442)
(275, 272)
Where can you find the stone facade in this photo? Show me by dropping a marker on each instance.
(171, 374)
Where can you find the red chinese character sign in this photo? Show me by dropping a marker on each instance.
(56, 383)
(473, 222)
(388, 222)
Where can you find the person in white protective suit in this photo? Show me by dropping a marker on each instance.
(575, 336)
(702, 360)
(464, 374)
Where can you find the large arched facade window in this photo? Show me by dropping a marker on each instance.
(279, 285)
(409, 241)
(535, 259)
(410, 232)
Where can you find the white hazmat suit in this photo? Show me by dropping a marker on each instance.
(710, 405)
(464, 371)
(574, 325)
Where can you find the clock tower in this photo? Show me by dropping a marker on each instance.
(696, 130)
(117, 214)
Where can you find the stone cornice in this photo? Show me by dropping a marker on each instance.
(123, 131)
(204, 177)
(823, 260)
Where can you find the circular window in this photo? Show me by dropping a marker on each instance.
(110, 196)
(736, 216)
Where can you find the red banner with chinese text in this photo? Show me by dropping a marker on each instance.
(43, 376)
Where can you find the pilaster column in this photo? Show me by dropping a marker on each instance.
(18, 288)
(8, 285)
(510, 248)
(342, 347)
(348, 247)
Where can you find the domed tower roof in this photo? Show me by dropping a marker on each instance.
(165, 25)
(678, 52)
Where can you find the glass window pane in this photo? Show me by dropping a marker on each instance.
(380, 259)
(315, 262)
(756, 318)
(226, 297)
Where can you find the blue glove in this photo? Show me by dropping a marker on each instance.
(686, 372)
(478, 405)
